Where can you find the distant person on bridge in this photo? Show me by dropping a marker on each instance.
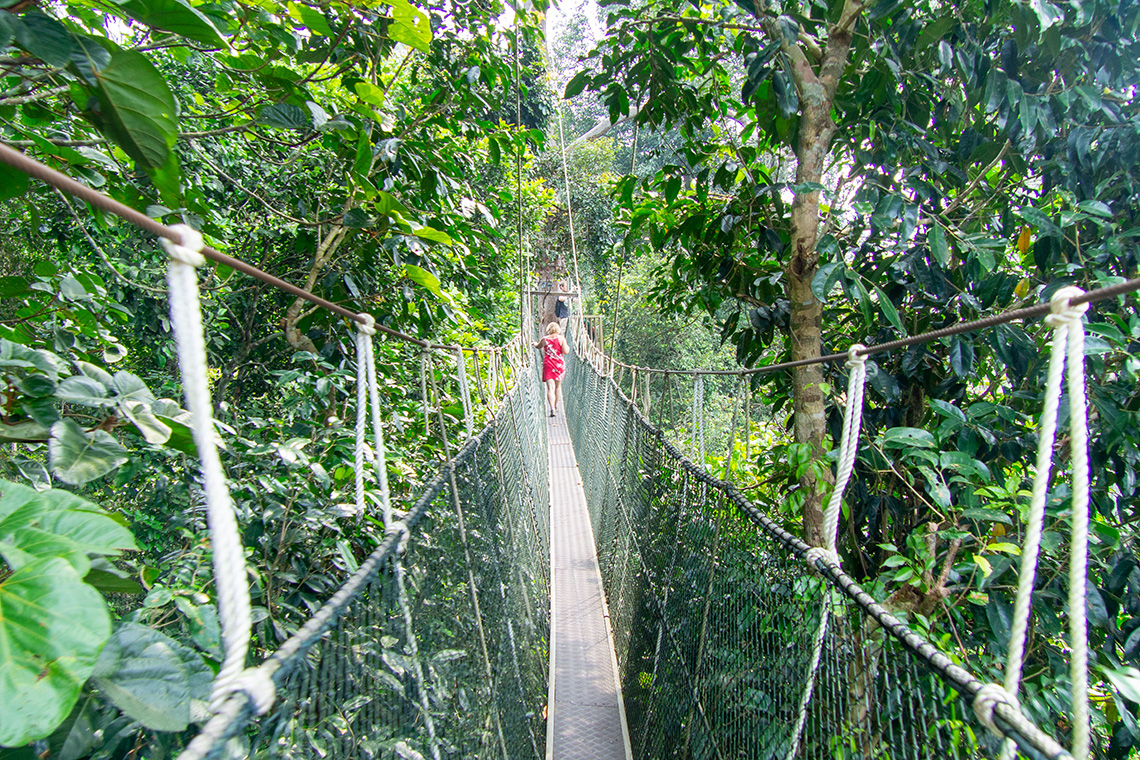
(554, 346)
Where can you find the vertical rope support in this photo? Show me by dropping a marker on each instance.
(425, 365)
(848, 446)
(225, 541)
(464, 391)
(1068, 337)
(699, 420)
(365, 329)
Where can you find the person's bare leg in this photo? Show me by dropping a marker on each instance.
(551, 397)
(557, 393)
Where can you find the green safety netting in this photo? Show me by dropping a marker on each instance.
(714, 610)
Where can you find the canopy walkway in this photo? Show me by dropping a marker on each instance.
(577, 588)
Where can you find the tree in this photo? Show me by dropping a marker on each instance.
(857, 173)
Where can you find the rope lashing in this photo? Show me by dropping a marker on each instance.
(988, 697)
(1068, 337)
(827, 554)
(225, 540)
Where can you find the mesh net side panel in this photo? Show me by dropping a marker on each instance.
(714, 619)
(352, 693)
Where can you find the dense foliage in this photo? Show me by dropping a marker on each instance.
(845, 172)
(363, 150)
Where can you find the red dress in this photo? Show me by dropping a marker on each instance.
(553, 367)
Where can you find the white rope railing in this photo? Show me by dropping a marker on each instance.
(365, 358)
(225, 540)
(1068, 337)
(848, 447)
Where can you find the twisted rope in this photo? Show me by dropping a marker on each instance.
(1068, 337)
(464, 392)
(225, 541)
(820, 556)
(366, 376)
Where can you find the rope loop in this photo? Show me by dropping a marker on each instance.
(854, 357)
(258, 685)
(366, 323)
(189, 250)
(1064, 311)
(989, 697)
(401, 529)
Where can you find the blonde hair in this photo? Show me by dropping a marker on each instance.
(553, 328)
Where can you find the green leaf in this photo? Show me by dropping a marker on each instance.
(369, 93)
(78, 456)
(409, 25)
(889, 310)
(940, 249)
(79, 389)
(904, 437)
(578, 83)
(423, 277)
(175, 16)
(986, 515)
(961, 357)
(1000, 617)
(54, 523)
(286, 116)
(1126, 680)
(434, 235)
(825, 278)
(136, 109)
(44, 37)
(964, 463)
(13, 184)
(144, 674)
(154, 430)
(1096, 208)
(52, 626)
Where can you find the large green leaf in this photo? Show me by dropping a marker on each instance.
(54, 523)
(52, 626)
(150, 677)
(409, 25)
(136, 109)
(175, 16)
(44, 37)
(78, 456)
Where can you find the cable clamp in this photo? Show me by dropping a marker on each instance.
(989, 697)
(189, 250)
(854, 358)
(1065, 312)
(366, 323)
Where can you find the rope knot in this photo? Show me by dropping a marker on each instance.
(366, 323)
(189, 250)
(818, 554)
(854, 358)
(1064, 311)
(401, 529)
(989, 697)
(259, 687)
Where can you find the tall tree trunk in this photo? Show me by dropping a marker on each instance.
(816, 93)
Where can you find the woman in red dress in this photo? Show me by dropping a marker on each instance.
(554, 347)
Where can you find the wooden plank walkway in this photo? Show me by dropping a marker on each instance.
(586, 718)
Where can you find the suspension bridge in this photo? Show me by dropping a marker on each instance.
(576, 587)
